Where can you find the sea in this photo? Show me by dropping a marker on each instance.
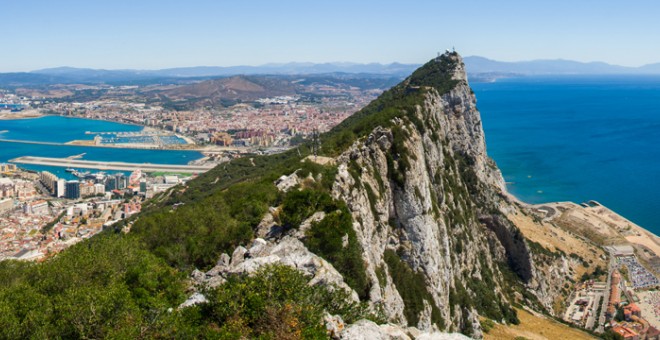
(578, 138)
(58, 129)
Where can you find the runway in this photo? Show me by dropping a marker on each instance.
(100, 165)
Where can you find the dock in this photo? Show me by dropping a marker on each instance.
(100, 165)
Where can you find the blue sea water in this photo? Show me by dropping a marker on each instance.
(58, 129)
(577, 139)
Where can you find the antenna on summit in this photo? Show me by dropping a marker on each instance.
(315, 142)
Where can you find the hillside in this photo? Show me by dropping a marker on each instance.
(409, 224)
(237, 88)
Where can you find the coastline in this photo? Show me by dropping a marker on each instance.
(598, 218)
(89, 143)
(26, 114)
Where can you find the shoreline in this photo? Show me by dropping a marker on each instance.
(616, 228)
(188, 139)
(83, 142)
(21, 116)
(596, 215)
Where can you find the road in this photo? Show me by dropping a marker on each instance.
(591, 320)
(99, 165)
(606, 296)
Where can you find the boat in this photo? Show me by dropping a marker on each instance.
(70, 170)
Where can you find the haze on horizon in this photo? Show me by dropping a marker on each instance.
(164, 34)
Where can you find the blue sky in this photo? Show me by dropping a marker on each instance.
(159, 34)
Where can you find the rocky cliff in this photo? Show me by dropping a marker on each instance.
(428, 208)
(424, 192)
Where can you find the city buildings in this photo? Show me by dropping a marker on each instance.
(6, 205)
(7, 168)
(7, 188)
(48, 180)
(72, 189)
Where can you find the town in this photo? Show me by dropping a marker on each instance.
(269, 122)
(41, 214)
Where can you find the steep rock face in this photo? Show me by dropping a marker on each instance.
(429, 210)
(425, 191)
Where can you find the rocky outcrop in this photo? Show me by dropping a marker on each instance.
(368, 330)
(288, 251)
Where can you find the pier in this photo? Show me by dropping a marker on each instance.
(100, 165)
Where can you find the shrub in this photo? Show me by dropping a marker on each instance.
(276, 302)
(411, 286)
(326, 239)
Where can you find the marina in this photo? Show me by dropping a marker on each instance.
(142, 137)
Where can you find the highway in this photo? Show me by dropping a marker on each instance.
(100, 165)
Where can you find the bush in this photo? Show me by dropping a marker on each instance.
(106, 287)
(326, 238)
(486, 325)
(299, 205)
(194, 235)
(277, 303)
(411, 286)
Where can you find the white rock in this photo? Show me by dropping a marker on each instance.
(195, 299)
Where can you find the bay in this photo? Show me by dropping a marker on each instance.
(57, 129)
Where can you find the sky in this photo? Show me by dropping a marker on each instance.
(149, 34)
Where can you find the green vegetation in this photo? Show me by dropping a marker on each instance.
(596, 274)
(326, 239)
(298, 205)
(277, 303)
(194, 235)
(486, 301)
(381, 274)
(51, 224)
(611, 335)
(412, 288)
(486, 325)
(436, 73)
(372, 199)
(398, 102)
(598, 310)
(107, 287)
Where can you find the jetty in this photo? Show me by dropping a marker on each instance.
(122, 166)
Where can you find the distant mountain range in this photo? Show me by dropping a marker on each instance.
(481, 65)
(68, 75)
(218, 71)
(479, 68)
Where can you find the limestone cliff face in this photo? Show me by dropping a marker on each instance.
(425, 189)
(429, 209)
